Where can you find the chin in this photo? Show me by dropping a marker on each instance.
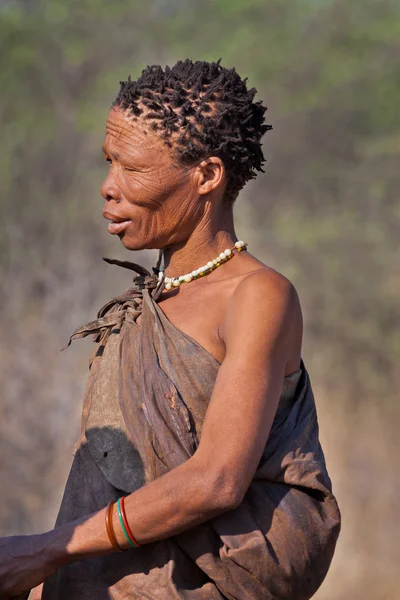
(134, 244)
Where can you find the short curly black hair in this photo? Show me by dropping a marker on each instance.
(207, 110)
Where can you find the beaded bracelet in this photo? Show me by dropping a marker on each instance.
(124, 523)
(110, 529)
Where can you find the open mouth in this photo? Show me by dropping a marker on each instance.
(117, 226)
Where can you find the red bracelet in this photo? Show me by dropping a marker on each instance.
(125, 520)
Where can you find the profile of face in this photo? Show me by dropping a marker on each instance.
(151, 200)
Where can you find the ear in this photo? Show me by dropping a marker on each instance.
(211, 175)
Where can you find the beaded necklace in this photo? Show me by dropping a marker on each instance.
(171, 282)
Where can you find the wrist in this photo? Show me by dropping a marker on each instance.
(80, 539)
(118, 530)
(53, 546)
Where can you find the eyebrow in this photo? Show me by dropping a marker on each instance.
(113, 155)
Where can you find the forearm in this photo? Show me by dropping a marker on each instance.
(167, 506)
(177, 501)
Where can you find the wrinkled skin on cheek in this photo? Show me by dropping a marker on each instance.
(146, 186)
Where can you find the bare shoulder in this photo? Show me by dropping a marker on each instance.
(267, 292)
(265, 306)
(266, 280)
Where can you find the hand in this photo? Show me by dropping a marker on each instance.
(25, 562)
(36, 594)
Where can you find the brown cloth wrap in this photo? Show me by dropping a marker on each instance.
(145, 402)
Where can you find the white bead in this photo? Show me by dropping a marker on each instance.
(171, 282)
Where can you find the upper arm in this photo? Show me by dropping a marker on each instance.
(258, 332)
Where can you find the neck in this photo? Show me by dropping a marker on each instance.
(209, 238)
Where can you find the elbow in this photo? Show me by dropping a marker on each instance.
(226, 493)
(231, 498)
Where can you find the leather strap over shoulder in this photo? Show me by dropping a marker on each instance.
(126, 306)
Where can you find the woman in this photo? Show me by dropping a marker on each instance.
(198, 410)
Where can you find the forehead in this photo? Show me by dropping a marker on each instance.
(131, 134)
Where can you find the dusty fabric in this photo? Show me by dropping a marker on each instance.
(146, 397)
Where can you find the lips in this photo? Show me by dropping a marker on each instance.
(117, 224)
(116, 228)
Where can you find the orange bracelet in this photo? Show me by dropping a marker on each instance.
(110, 529)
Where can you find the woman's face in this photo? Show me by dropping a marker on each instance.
(151, 201)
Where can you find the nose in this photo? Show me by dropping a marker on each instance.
(109, 190)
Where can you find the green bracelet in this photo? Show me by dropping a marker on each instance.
(121, 520)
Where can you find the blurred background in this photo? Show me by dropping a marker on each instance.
(326, 213)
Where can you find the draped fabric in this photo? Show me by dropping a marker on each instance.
(147, 394)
